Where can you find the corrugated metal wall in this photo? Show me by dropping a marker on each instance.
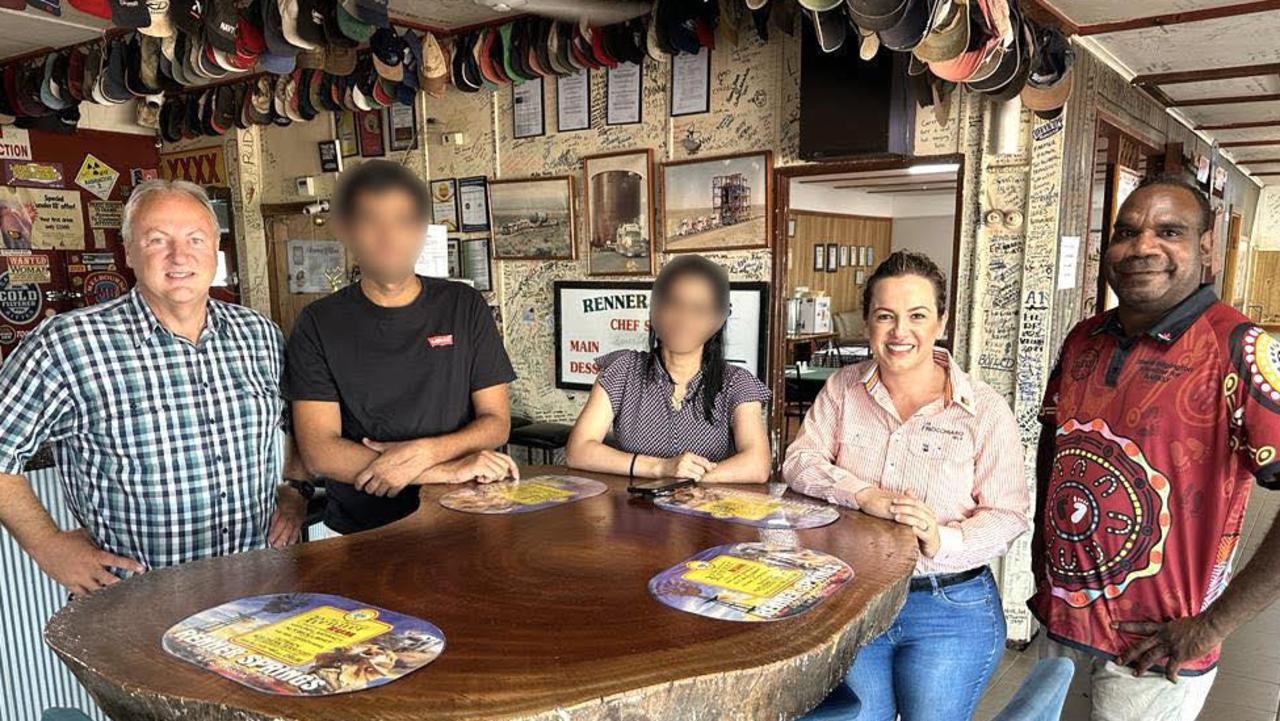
(32, 678)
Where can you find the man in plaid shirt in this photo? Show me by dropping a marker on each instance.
(163, 408)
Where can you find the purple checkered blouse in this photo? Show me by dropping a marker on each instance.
(644, 422)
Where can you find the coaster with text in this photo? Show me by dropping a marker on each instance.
(522, 496)
(747, 507)
(304, 644)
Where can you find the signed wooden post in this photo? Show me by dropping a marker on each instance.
(547, 617)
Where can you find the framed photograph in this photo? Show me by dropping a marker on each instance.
(619, 206)
(527, 117)
(833, 258)
(473, 203)
(691, 83)
(589, 322)
(344, 129)
(369, 130)
(819, 257)
(870, 257)
(475, 263)
(444, 203)
(860, 278)
(717, 203)
(402, 126)
(573, 102)
(844, 256)
(623, 89)
(532, 218)
(330, 158)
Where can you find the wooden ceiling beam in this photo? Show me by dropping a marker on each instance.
(1226, 100)
(1240, 126)
(1178, 18)
(1258, 161)
(1248, 143)
(1192, 76)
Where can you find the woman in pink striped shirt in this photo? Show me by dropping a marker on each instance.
(910, 437)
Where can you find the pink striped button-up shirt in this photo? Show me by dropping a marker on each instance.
(960, 455)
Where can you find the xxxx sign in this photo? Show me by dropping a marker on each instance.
(202, 166)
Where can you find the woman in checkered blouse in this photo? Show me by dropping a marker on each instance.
(679, 410)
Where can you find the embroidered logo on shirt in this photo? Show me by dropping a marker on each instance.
(439, 341)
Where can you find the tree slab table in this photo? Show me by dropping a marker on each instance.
(547, 617)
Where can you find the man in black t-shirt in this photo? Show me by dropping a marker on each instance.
(397, 380)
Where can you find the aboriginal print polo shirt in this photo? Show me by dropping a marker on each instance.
(1159, 437)
(169, 451)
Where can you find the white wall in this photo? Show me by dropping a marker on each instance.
(825, 199)
(933, 236)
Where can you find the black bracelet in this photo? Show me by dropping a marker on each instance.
(632, 473)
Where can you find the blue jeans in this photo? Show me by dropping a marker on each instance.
(935, 660)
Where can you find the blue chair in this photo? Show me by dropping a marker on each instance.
(842, 704)
(63, 714)
(1042, 692)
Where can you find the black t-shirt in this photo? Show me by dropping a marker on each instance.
(396, 373)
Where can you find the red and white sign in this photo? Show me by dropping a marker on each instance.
(439, 341)
(15, 143)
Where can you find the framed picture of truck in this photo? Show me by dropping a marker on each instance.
(619, 212)
(717, 203)
(533, 218)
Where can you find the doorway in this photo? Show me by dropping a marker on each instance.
(835, 223)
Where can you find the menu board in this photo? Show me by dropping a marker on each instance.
(597, 317)
(748, 508)
(750, 582)
(523, 496)
(304, 644)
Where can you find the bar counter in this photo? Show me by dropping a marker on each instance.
(547, 616)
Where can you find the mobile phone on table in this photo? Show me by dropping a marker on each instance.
(660, 487)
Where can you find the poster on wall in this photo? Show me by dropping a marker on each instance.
(15, 143)
(573, 101)
(475, 263)
(316, 266)
(444, 203)
(202, 166)
(369, 130)
(402, 126)
(528, 120)
(691, 83)
(34, 175)
(97, 177)
(344, 127)
(41, 218)
(623, 92)
(304, 644)
(433, 260)
(593, 318)
(106, 214)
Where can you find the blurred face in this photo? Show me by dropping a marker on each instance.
(385, 232)
(1157, 250)
(903, 322)
(689, 316)
(173, 248)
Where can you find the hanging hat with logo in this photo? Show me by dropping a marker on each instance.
(388, 50)
(434, 70)
(132, 14)
(221, 23)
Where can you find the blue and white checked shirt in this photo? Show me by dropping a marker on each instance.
(169, 451)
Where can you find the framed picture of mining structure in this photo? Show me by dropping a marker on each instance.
(719, 203)
(533, 218)
(619, 212)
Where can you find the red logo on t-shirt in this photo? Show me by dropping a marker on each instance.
(437, 341)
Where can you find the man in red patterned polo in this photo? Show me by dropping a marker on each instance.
(1158, 418)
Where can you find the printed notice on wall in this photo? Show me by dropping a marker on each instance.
(316, 266)
(527, 117)
(433, 261)
(573, 101)
(41, 218)
(691, 83)
(623, 99)
(1068, 261)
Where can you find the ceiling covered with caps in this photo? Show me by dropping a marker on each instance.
(1214, 63)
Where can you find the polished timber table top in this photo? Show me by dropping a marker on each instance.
(547, 616)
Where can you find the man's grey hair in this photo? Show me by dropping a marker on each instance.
(160, 186)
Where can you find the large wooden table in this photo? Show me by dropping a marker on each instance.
(547, 617)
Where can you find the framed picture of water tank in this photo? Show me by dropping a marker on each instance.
(619, 203)
(717, 203)
(533, 218)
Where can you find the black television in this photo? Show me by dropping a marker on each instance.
(850, 106)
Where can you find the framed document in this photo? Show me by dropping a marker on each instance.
(691, 83)
(473, 202)
(402, 126)
(527, 117)
(623, 88)
(444, 203)
(573, 102)
(369, 127)
(832, 258)
(344, 128)
(475, 263)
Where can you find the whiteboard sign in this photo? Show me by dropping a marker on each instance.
(598, 317)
